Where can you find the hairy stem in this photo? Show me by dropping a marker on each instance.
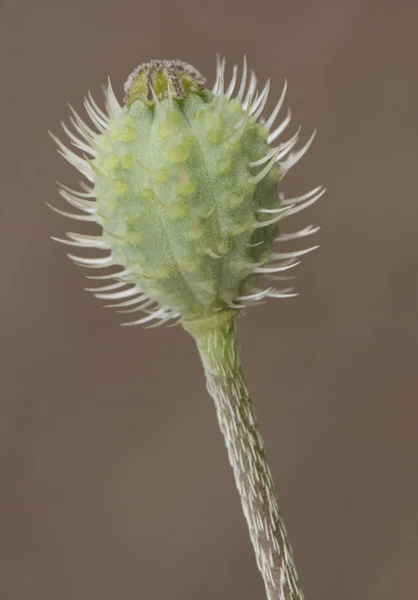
(216, 340)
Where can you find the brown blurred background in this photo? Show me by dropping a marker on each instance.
(114, 479)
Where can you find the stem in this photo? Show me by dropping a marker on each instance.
(216, 341)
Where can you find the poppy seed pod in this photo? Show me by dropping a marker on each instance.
(183, 182)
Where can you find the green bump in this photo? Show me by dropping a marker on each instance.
(127, 238)
(109, 163)
(223, 166)
(147, 193)
(176, 210)
(164, 130)
(120, 187)
(178, 153)
(200, 114)
(174, 117)
(238, 228)
(234, 147)
(162, 175)
(262, 131)
(194, 233)
(156, 272)
(222, 247)
(127, 134)
(188, 265)
(214, 135)
(247, 187)
(207, 286)
(274, 173)
(235, 200)
(127, 161)
(186, 187)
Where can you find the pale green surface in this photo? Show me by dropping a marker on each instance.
(176, 204)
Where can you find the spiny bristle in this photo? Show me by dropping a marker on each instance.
(260, 98)
(130, 302)
(92, 262)
(93, 241)
(254, 244)
(96, 118)
(294, 157)
(276, 269)
(117, 275)
(272, 277)
(107, 288)
(287, 293)
(301, 206)
(295, 254)
(235, 305)
(279, 130)
(158, 314)
(297, 199)
(77, 142)
(258, 106)
(145, 302)
(218, 69)
(176, 320)
(274, 211)
(103, 117)
(162, 320)
(84, 205)
(255, 296)
(219, 93)
(241, 90)
(112, 105)
(82, 244)
(257, 178)
(231, 86)
(88, 192)
(132, 291)
(286, 237)
(252, 88)
(285, 147)
(218, 88)
(79, 163)
(268, 124)
(82, 128)
(279, 212)
(81, 200)
(261, 161)
(89, 218)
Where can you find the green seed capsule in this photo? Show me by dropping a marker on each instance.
(185, 187)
